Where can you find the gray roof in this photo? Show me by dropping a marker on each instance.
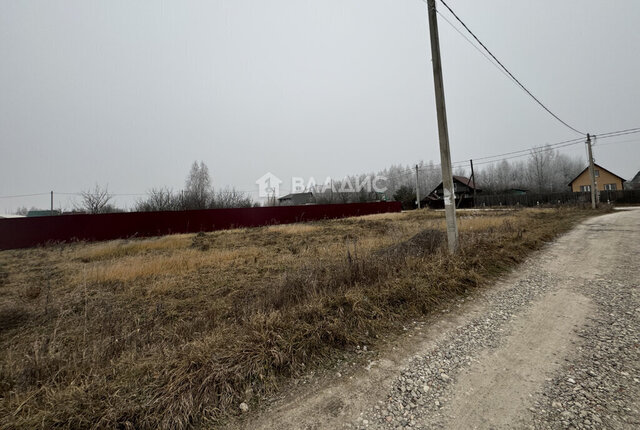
(296, 195)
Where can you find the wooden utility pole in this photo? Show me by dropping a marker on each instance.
(473, 178)
(51, 213)
(592, 173)
(443, 132)
(417, 188)
(593, 142)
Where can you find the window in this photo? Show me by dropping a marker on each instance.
(585, 188)
(596, 172)
(611, 187)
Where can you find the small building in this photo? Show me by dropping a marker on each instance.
(463, 190)
(296, 199)
(605, 180)
(42, 212)
(633, 184)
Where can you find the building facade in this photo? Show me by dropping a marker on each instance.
(605, 180)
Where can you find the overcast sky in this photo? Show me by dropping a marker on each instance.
(129, 94)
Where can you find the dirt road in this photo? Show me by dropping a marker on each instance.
(554, 345)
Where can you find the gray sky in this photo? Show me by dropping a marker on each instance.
(129, 94)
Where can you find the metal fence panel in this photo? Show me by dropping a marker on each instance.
(27, 232)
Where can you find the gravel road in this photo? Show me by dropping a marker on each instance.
(555, 345)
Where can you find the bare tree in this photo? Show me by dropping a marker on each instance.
(546, 170)
(432, 177)
(22, 211)
(159, 199)
(539, 167)
(460, 171)
(230, 198)
(198, 190)
(563, 170)
(96, 201)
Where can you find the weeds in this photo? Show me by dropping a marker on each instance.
(12, 316)
(174, 332)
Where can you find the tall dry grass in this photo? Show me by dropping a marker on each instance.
(173, 332)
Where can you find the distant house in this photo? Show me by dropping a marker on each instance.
(296, 199)
(42, 212)
(605, 180)
(633, 184)
(463, 189)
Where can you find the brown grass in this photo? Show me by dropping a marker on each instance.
(171, 332)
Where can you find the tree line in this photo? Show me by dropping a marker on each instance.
(544, 170)
(198, 193)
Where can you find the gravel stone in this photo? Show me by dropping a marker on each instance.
(597, 387)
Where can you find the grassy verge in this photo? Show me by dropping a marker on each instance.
(174, 332)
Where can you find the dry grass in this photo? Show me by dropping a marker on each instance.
(172, 332)
(123, 248)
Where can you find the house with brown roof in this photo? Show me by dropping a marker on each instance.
(605, 180)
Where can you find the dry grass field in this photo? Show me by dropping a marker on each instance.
(171, 332)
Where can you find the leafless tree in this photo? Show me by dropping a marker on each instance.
(22, 211)
(539, 167)
(460, 171)
(198, 190)
(230, 198)
(96, 201)
(198, 194)
(546, 170)
(159, 199)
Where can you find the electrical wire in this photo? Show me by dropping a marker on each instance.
(23, 195)
(508, 72)
(627, 131)
(528, 150)
(620, 133)
(474, 45)
(541, 149)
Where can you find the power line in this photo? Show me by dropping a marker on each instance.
(495, 158)
(620, 133)
(560, 144)
(508, 72)
(541, 149)
(474, 45)
(627, 131)
(111, 194)
(23, 195)
(552, 145)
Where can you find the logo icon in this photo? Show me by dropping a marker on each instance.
(268, 185)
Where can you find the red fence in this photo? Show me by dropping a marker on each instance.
(26, 232)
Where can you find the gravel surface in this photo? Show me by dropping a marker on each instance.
(600, 388)
(594, 385)
(422, 389)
